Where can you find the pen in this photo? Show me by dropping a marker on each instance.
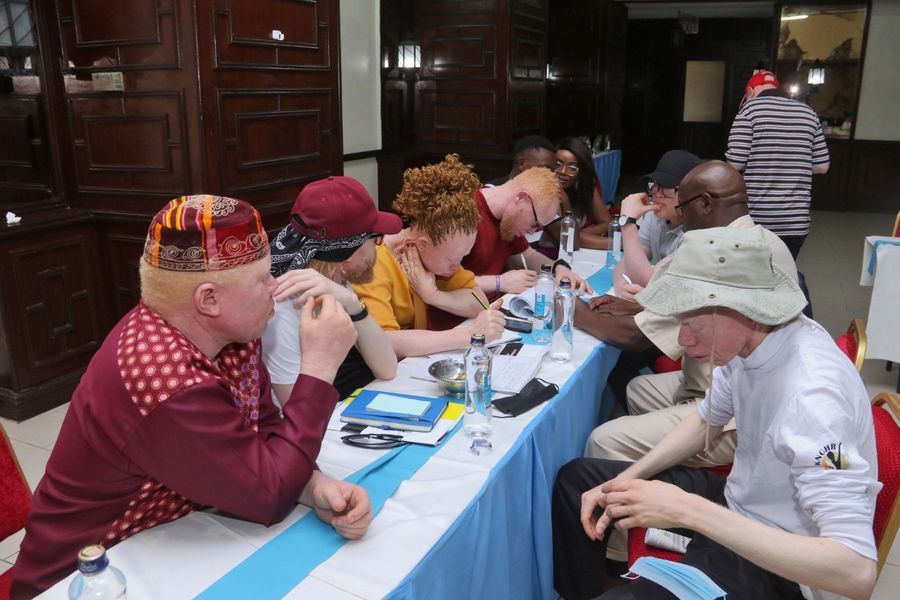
(627, 279)
(524, 264)
(480, 301)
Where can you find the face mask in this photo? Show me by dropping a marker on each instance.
(686, 582)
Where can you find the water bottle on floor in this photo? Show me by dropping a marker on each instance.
(561, 344)
(96, 579)
(477, 416)
(567, 233)
(543, 305)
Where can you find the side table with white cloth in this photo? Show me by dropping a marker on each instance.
(448, 512)
(881, 270)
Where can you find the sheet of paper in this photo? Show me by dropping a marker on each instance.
(398, 405)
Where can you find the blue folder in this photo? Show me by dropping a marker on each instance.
(355, 412)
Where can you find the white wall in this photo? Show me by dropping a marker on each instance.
(879, 98)
(361, 87)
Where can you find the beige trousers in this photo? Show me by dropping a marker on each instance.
(654, 413)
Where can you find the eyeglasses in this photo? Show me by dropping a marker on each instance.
(568, 169)
(537, 222)
(679, 208)
(374, 441)
(665, 192)
(378, 238)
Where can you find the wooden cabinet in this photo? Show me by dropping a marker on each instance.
(137, 105)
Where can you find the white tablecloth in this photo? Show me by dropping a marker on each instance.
(183, 558)
(883, 324)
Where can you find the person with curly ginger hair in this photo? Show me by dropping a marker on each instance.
(501, 257)
(419, 290)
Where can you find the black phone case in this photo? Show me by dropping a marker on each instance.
(518, 325)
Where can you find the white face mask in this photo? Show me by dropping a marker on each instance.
(685, 581)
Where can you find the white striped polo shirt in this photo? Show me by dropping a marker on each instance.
(777, 140)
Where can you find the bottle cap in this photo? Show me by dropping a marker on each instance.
(478, 339)
(546, 268)
(568, 213)
(92, 559)
(565, 284)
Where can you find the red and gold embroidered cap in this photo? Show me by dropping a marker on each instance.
(339, 207)
(205, 233)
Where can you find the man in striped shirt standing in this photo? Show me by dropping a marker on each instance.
(777, 142)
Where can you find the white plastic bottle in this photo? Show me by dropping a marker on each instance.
(543, 305)
(561, 344)
(96, 579)
(614, 252)
(477, 416)
(567, 233)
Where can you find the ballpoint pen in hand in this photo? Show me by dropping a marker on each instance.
(627, 279)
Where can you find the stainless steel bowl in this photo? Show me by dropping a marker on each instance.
(450, 374)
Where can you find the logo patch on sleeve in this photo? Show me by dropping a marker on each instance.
(831, 456)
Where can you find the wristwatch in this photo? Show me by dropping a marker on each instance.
(361, 314)
(625, 220)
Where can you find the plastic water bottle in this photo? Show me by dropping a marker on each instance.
(614, 252)
(561, 344)
(543, 305)
(96, 579)
(477, 416)
(567, 234)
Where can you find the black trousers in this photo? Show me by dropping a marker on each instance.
(578, 561)
(627, 368)
(794, 243)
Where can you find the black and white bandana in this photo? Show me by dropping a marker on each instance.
(292, 250)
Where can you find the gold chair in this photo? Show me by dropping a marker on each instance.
(887, 447)
(853, 343)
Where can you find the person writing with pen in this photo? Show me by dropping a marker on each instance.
(419, 291)
(501, 257)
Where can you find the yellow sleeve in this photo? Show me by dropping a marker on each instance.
(461, 279)
(386, 286)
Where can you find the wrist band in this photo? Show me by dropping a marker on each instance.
(497, 282)
(361, 314)
(558, 263)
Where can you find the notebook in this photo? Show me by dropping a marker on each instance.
(394, 411)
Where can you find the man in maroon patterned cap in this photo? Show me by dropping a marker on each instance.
(175, 410)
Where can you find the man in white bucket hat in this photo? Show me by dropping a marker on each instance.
(794, 517)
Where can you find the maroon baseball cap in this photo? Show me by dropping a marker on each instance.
(339, 207)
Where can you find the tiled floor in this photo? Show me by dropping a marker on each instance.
(830, 259)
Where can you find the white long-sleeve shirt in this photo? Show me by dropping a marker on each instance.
(805, 460)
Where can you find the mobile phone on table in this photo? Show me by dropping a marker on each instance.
(519, 325)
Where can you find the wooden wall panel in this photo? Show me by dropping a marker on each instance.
(874, 177)
(243, 34)
(56, 294)
(527, 53)
(96, 36)
(25, 169)
(460, 51)
(130, 142)
(527, 111)
(457, 117)
(281, 136)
